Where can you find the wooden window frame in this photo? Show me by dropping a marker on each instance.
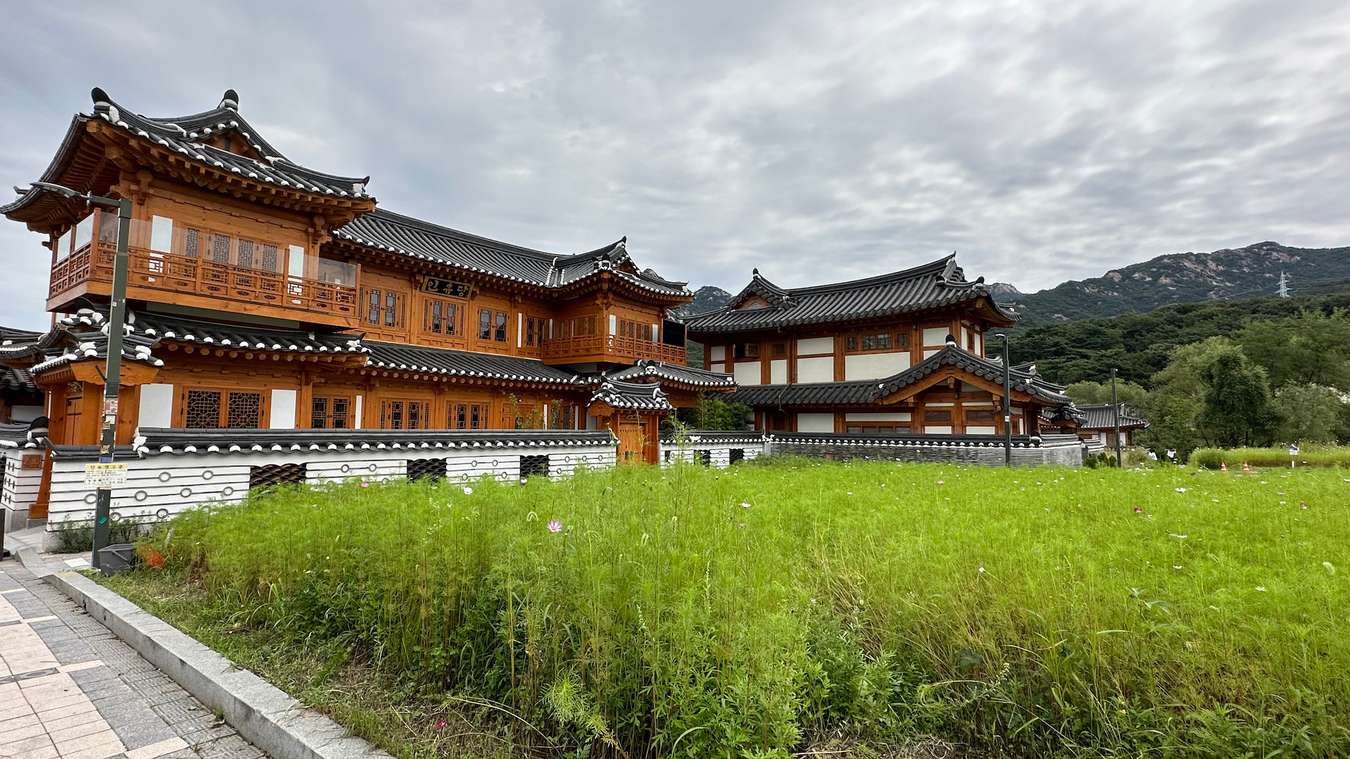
(405, 406)
(223, 412)
(375, 301)
(853, 341)
(452, 313)
(460, 415)
(877, 428)
(328, 413)
(745, 351)
(495, 322)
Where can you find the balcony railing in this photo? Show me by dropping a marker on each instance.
(610, 348)
(219, 266)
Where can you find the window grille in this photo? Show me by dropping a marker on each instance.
(426, 469)
(245, 411)
(269, 475)
(202, 410)
(533, 465)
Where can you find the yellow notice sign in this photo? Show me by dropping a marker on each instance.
(105, 475)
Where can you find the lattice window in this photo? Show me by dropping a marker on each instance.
(192, 243)
(705, 458)
(468, 416)
(426, 469)
(330, 412)
(220, 248)
(245, 411)
(404, 415)
(271, 475)
(202, 409)
(373, 306)
(736, 455)
(245, 253)
(533, 465)
(270, 260)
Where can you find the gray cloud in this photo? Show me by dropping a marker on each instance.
(817, 141)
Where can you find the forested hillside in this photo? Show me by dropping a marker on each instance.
(1138, 344)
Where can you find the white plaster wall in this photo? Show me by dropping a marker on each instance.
(156, 408)
(935, 335)
(815, 422)
(979, 430)
(717, 366)
(283, 410)
(965, 336)
(26, 413)
(819, 369)
(929, 430)
(930, 353)
(809, 345)
(717, 353)
(778, 373)
(877, 416)
(747, 373)
(874, 365)
(357, 423)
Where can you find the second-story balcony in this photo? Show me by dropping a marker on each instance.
(177, 263)
(609, 348)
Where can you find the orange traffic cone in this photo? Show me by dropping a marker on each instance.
(1246, 468)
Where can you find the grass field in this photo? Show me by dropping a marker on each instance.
(1308, 455)
(771, 608)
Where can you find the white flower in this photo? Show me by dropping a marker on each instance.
(981, 569)
(1260, 589)
(745, 504)
(1181, 490)
(468, 490)
(1176, 567)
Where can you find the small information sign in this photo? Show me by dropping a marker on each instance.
(105, 476)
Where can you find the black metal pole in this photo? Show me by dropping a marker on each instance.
(1115, 415)
(1007, 401)
(113, 380)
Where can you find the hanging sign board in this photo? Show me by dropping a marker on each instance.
(105, 476)
(448, 287)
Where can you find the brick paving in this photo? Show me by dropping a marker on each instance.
(69, 689)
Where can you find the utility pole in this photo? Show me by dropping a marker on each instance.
(1283, 289)
(112, 380)
(1115, 415)
(1007, 400)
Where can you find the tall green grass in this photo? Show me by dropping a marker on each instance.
(1308, 455)
(751, 611)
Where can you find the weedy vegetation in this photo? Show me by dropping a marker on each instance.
(773, 608)
(1308, 455)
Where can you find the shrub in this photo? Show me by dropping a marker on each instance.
(80, 538)
(1309, 455)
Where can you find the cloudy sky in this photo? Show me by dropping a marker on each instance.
(818, 141)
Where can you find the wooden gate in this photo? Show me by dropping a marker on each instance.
(632, 434)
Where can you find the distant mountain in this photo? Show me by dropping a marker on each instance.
(706, 298)
(1247, 272)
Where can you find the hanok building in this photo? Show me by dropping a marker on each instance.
(1098, 424)
(898, 354)
(265, 294)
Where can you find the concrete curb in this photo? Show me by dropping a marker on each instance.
(262, 713)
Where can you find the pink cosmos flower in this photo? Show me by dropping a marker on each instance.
(555, 525)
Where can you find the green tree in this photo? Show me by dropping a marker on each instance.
(1308, 348)
(1310, 413)
(1177, 397)
(717, 414)
(1236, 408)
(1088, 392)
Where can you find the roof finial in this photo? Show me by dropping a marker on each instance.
(230, 100)
(99, 96)
(754, 272)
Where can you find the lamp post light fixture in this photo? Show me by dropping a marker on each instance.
(112, 380)
(1007, 399)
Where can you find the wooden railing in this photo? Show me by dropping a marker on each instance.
(610, 347)
(175, 273)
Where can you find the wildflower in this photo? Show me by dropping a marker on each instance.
(1177, 567)
(365, 484)
(1331, 568)
(940, 482)
(442, 724)
(981, 569)
(1138, 510)
(745, 504)
(555, 525)
(1181, 490)
(1303, 504)
(1260, 589)
(468, 490)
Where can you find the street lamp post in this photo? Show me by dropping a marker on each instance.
(112, 380)
(1115, 415)
(1007, 400)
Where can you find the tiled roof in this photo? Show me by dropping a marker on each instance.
(186, 136)
(407, 236)
(632, 395)
(176, 441)
(1098, 416)
(153, 328)
(466, 364)
(932, 285)
(806, 394)
(863, 392)
(85, 335)
(647, 369)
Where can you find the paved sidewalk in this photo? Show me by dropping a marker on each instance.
(69, 689)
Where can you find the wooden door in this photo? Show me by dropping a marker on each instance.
(632, 440)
